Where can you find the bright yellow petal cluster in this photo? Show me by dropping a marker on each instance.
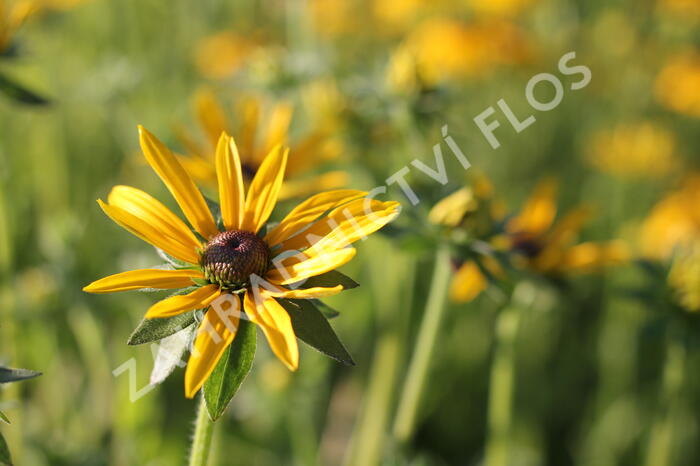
(678, 84)
(319, 244)
(255, 141)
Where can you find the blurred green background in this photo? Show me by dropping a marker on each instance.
(589, 361)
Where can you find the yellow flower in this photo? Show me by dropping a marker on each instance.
(500, 7)
(12, 16)
(255, 142)
(443, 49)
(678, 84)
(532, 240)
(681, 8)
(673, 223)
(223, 54)
(237, 261)
(684, 277)
(643, 149)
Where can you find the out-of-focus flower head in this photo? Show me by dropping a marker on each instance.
(255, 140)
(674, 222)
(333, 18)
(12, 16)
(500, 7)
(442, 49)
(671, 235)
(634, 150)
(678, 84)
(221, 55)
(529, 240)
(688, 9)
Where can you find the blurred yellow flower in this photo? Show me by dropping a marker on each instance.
(642, 149)
(333, 18)
(12, 16)
(547, 247)
(500, 7)
(673, 223)
(255, 141)
(681, 8)
(684, 277)
(678, 84)
(222, 55)
(441, 49)
(236, 262)
(531, 239)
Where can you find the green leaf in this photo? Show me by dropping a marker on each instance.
(4, 452)
(4, 418)
(311, 327)
(325, 309)
(331, 279)
(19, 93)
(232, 369)
(12, 375)
(156, 329)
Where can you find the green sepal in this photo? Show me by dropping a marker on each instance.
(5, 458)
(156, 329)
(13, 375)
(174, 261)
(330, 280)
(19, 93)
(4, 418)
(231, 370)
(311, 327)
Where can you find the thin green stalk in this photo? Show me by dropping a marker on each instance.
(203, 430)
(660, 450)
(409, 402)
(502, 381)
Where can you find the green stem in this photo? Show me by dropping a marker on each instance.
(404, 423)
(660, 450)
(502, 381)
(201, 443)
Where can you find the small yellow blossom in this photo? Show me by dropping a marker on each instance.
(223, 54)
(643, 149)
(678, 84)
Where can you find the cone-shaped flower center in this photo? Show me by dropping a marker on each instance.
(231, 257)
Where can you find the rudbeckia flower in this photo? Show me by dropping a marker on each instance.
(255, 141)
(245, 262)
(530, 240)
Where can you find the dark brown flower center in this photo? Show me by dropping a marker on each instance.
(231, 257)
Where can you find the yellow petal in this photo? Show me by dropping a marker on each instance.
(211, 115)
(308, 211)
(467, 283)
(276, 325)
(149, 233)
(250, 114)
(230, 178)
(277, 127)
(199, 168)
(174, 305)
(263, 192)
(301, 267)
(538, 213)
(144, 278)
(216, 332)
(151, 211)
(590, 257)
(314, 184)
(307, 293)
(345, 225)
(179, 183)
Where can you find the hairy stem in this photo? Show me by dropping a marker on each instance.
(201, 442)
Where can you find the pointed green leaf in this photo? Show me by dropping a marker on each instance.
(232, 369)
(325, 309)
(4, 418)
(311, 327)
(330, 280)
(19, 93)
(156, 329)
(4, 452)
(12, 375)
